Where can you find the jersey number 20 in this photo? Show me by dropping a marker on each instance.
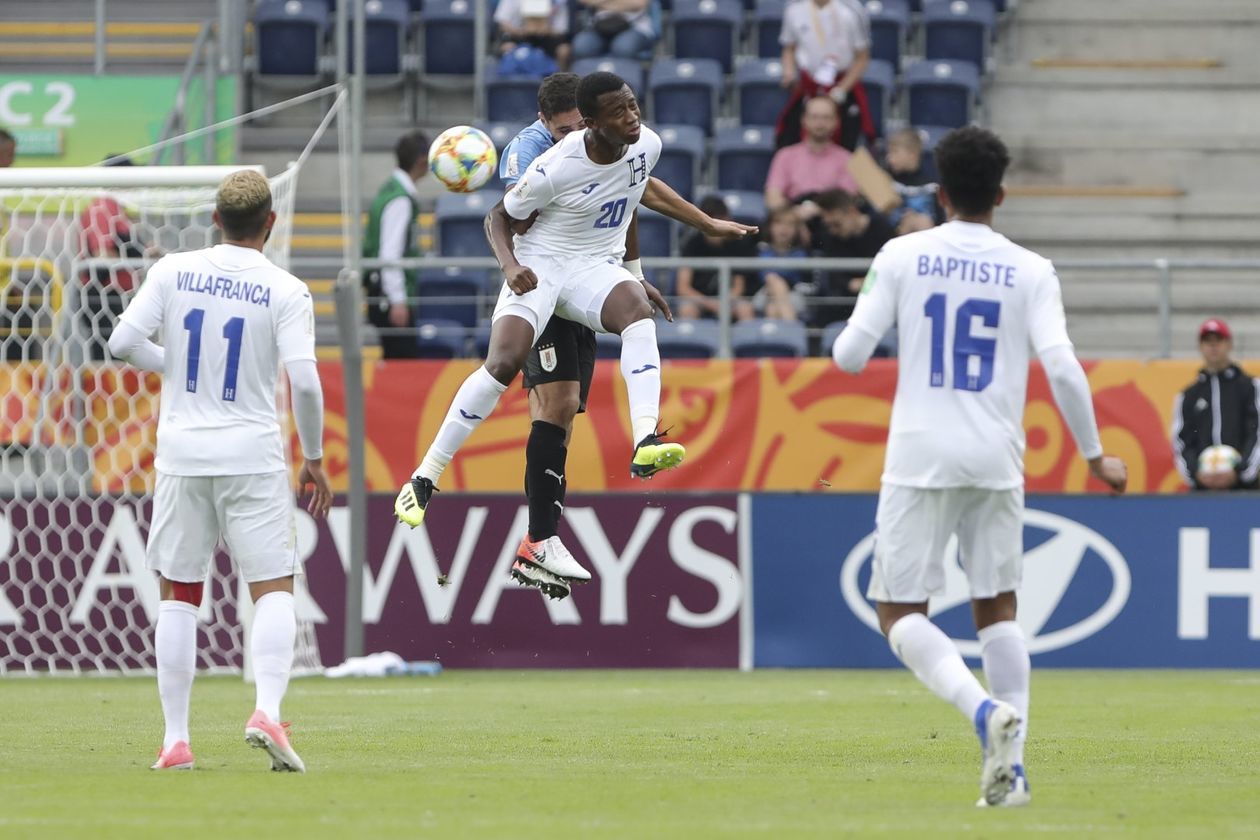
(966, 345)
(611, 213)
(233, 331)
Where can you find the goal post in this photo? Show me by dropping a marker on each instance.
(78, 430)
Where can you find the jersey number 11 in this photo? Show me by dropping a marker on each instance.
(233, 331)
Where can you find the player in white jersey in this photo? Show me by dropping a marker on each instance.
(968, 305)
(228, 318)
(578, 195)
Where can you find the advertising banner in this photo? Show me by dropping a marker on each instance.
(77, 120)
(1149, 582)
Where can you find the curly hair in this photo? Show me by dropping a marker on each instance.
(971, 162)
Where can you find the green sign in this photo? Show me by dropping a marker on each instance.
(72, 120)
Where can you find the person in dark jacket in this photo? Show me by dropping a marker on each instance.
(1219, 408)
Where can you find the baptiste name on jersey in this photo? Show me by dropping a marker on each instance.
(223, 287)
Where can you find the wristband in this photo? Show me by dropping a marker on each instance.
(635, 267)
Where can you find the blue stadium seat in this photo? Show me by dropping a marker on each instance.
(687, 339)
(385, 37)
(289, 36)
(607, 345)
(890, 22)
(682, 153)
(746, 206)
(627, 68)
(767, 20)
(768, 337)
(449, 41)
(685, 92)
(460, 223)
(885, 349)
(941, 92)
(959, 31)
(437, 339)
(450, 294)
(512, 99)
(757, 89)
(880, 81)
(743, 156)
(656, 234)
(707, 29)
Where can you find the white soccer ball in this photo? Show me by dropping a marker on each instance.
(463, 158)
(1216, 460)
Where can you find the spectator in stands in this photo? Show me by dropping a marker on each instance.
(850, 230)
(919, 209)
(8, 149)
(780, 295)
(1218, 408)
(623, 28)
(698, 289)
(390, 235)
(816, 164)
(826, 48)
(539, 26)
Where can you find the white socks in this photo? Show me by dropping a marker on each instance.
(473, 402)
(641, 368)
(1006, 666)
(175, 643)
(271, 645)
(932, 657)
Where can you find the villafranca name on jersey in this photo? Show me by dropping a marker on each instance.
(223, 287)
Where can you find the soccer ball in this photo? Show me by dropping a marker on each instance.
(1216, 460)
(463, 158)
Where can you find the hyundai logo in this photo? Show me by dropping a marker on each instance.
(1049, 569)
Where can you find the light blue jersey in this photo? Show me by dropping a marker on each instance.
(531, 142)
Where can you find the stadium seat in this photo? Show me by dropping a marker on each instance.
(890, 21)
(656, 234)
(758, 91)
(607, 346)
(959, 31)
(385, 37)
(450, 294)
(931, 135)
(687, 339)
(682, 153)
(512, 99)
(941, 92)
(449, 41)
(707, 29)
(746, 206)
(289, 37)
(627, 68)
(685, 92)
(767, 21)
(437, 339)
(743, 155)
(460, 223)
(885, 349)
(767, 337)
(880, 82)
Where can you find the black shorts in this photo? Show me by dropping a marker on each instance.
(565, 352)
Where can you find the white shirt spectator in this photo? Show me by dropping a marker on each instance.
(512, 14)
(827, 38)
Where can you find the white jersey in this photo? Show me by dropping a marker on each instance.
(968, 304)
(229, 318)
(583, 206)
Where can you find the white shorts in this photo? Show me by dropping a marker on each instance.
(571, 287)
(913, 527)
(253, 513)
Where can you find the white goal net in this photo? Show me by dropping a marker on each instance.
(77, 431)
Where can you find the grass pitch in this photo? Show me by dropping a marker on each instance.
(641, 754)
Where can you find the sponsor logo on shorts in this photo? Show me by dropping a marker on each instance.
(1061, 550)
(547, 356)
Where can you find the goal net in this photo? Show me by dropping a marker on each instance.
(78, 431)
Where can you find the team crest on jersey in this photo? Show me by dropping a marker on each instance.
(513, 166)
(547, 355)
(869, 283)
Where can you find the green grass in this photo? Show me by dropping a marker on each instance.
(641, 754)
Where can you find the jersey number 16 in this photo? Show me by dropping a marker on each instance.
(233, 331)
(966, 345)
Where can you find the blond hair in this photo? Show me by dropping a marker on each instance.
(243, 203)
(907, 138)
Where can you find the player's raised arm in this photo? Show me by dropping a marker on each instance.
(662, 198)
(142, 318)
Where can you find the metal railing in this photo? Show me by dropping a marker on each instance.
(204, 53)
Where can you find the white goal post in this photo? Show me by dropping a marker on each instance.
(77, 430)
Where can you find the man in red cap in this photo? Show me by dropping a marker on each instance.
(1218, 409)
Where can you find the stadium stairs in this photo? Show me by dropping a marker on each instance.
(1133, 124)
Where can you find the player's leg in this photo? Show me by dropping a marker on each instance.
(914, 526)
(518, 319)
(180, 549)
(257, 517)
(612, 300)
